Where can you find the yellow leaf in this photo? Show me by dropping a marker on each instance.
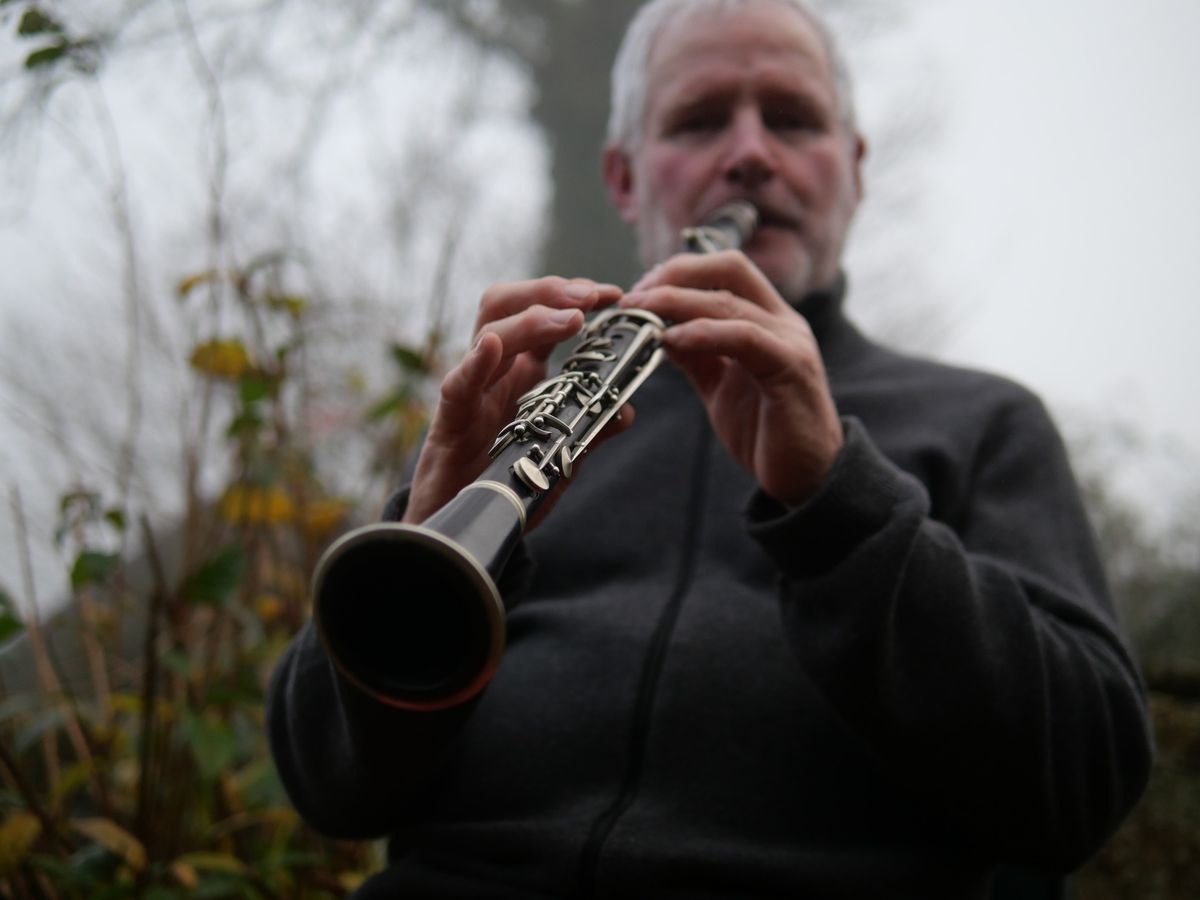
(18, 832)
(214, 862)
(186, 286)
(294, 306)
(321, 516)
(111, 836)
(269, 608)
(253, 505)
(221, 358)
(412, 425)
(231, 793)
(122, 702)
(185, 874)
(131, 705)
(351, 881)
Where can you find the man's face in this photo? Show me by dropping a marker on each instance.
(743, 105)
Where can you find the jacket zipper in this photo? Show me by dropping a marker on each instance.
(651, 670)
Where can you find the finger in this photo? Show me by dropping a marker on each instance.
(704, 370)
(729, 270)
(465, 383)
(760, 351)
(503, 300)
(681, 304)
(535, 330)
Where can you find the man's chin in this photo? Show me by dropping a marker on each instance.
(791, 273)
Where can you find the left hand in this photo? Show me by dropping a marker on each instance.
(755, 364)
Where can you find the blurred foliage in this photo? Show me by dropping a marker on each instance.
(1156, 854)
(133, 756)
(50, 42)
(1154, 571)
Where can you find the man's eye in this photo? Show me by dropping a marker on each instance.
(785, 119)
(698, 123)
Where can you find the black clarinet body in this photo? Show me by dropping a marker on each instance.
(411, 614)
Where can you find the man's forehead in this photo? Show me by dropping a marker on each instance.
(700, 44)
(701, 52)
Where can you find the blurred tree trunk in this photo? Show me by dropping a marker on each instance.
(585, 236)
(568, 47)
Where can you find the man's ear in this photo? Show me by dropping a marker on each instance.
(859, 149)
(618, 178)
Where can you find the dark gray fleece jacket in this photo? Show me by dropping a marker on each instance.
(887, 692)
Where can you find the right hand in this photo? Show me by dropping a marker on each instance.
(518, 325)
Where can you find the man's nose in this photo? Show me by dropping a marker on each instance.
(750, 160)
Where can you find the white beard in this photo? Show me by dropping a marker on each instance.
(657, 238)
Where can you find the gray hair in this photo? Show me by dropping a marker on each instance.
(629, 72)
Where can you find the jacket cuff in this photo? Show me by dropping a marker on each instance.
(858, 499)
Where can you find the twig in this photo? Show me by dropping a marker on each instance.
(134, 298)
(149, 682)
(47, 679)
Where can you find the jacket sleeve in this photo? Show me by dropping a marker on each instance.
(984, 662)
(353, 767)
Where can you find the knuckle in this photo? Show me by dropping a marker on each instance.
(727, 303)
(451, 386)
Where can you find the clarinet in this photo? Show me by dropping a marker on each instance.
(411, 614)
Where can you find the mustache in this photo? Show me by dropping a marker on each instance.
(771, 213)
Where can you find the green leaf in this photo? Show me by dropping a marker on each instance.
(408, 359)
(252, 388)
(46, 56)
(10, 623)
(245, 424)
(178, 663)
(89, 500)
(389, 405)
(115, 518)
(92, 568)
(213, 743)
(37, 22)
(75, 508)
(214, 581)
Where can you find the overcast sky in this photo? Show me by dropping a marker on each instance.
(1064, 199)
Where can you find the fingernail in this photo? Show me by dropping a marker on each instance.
(579, 291)
(563, 316)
